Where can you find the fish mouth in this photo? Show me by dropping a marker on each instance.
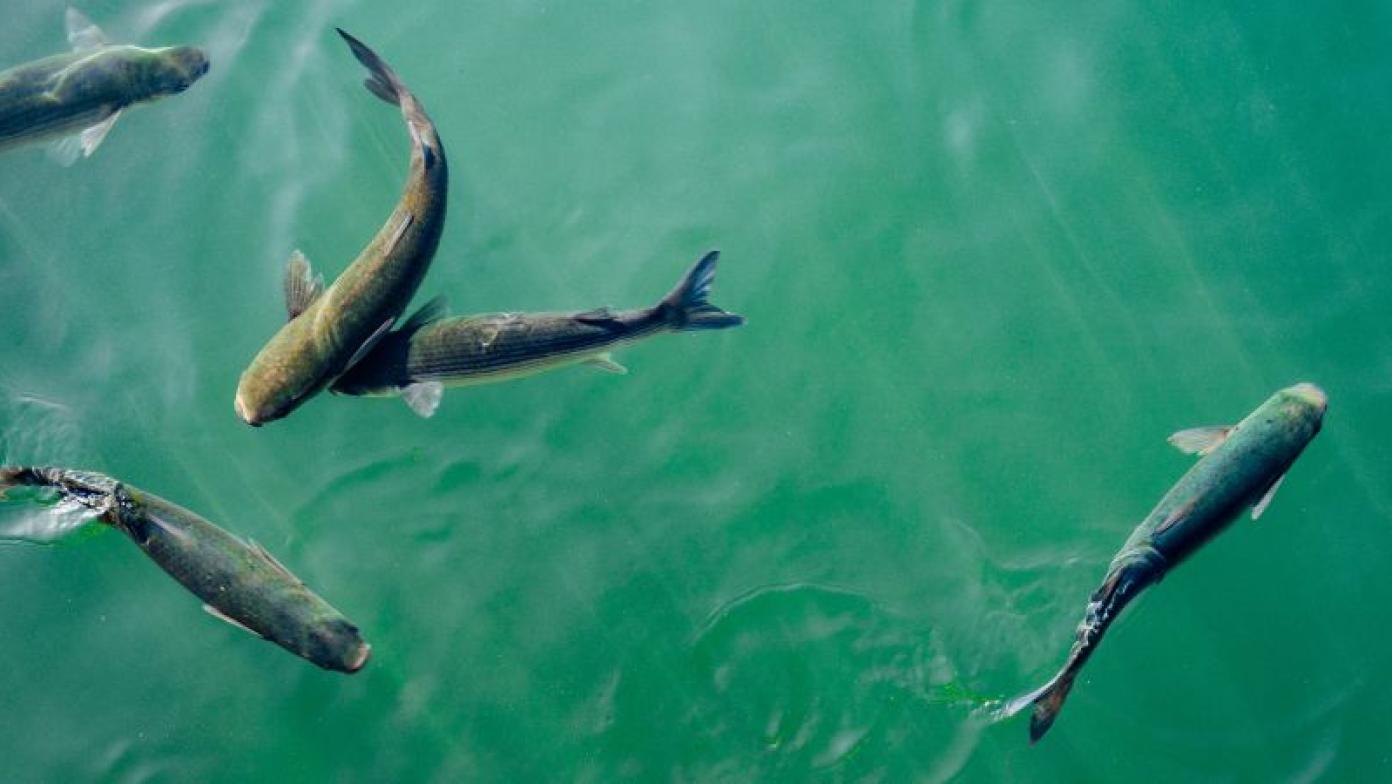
(360, 658)
(245, 413)
(1311, 394)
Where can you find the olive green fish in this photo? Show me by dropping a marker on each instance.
(430, 352)
(239, 581)
(331, 329)
(1242, 466)
(77, 97)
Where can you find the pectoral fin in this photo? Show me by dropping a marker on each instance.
(82, 33)
(1265, 501)
(606, 363)
(302, 286)
(369, 344)
(423, 397)
(400, 231)
(91, 138)
(218, 614)
(65, 151)
(1199, 440)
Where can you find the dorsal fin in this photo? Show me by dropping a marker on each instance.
(433, 310)
(599, 317)
(302, 286)
(83, 34)
(271, 559)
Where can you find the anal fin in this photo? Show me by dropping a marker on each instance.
(423, 397)
(606, 363)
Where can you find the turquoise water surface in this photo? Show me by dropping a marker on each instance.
(991, 255)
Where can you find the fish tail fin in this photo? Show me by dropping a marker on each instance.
(1045, 702)
(10, 477)
(383, 82)
(688, 306)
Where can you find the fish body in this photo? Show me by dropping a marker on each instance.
(430, 353)
(330, 329)
(238, 581)
(1241, 467)
(84, 91)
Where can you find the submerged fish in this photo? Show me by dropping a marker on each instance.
(239, 581)
(77, 97)
(1242, 467)
(331, 329)
(430, 352)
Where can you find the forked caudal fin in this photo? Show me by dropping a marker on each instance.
(1046, 702)
(688, 306)
(385, 84)
(383, 81)
(1123, 584)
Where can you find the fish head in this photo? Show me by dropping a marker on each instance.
(335, 644)
(273, 386)
(1309, 395)
(173, 70)
(1305, 404)
(255, 405)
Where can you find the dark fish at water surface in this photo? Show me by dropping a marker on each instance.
(77, 97)
(239, 581)
(331, 329)
(430, 352)
(1242, 466)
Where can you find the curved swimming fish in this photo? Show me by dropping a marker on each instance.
(430, 353)
(1242, 466)
(331, 329)
(77, 97)
(239, 581)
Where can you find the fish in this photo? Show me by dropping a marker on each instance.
(330, 330)
(1240, 467)
(431, 352)
(78, 96)
(238, 581)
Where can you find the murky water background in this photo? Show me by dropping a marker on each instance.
(991, 255)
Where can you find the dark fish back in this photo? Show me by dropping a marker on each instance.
(497, 343)
(29, 109)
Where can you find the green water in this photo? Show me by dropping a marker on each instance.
(991, 255)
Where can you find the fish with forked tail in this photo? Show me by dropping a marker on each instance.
(1241, 466)
(77, 97)
(329, 330)
(430, 353)
(239, 581)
